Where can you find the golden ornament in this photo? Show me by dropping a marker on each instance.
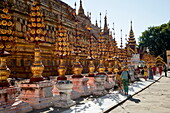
(8, 17)
(29, 25)
(60, 43)
(64, 43)
(1, 46)
(60, 48)
(3, 16)
(34, 2)
(64, 39)
(33, 19)
(43, 25)
(65, 53)
(32, 38)
(3, 31)
(37, 7)
(5, 10)
(37, 38)
(4, 22)
(61, 34)
(38, 19)
(34, 24)
(65, 34)
(33, 14)
(38, 14)
(39, 31)
(32, 31)
(42, 38)
(9, 31)
(8, 46)
(38, 25)
(10, 38)
(33, 8)
(59, 39)
(9, 23)
(44, 32)
(5, 38)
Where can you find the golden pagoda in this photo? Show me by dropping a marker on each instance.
(131, 41)
(7, 39)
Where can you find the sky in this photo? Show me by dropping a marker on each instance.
(143, 14)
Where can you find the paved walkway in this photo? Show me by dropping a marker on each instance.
(155, 99)
(101, 104)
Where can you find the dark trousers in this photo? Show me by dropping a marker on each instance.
(165, 73)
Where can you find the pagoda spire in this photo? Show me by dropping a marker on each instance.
(131, 40)
(121, 44)
(81, 10)
(113, 31)
(131, 34)
(96, 24)
(106, 31)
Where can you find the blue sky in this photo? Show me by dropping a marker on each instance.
(143, 13)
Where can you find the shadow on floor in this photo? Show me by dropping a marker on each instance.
(134, 100)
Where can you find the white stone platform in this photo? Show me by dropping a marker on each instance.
(113, 98)
(102, 103)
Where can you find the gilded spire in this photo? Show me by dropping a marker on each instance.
(105, 24)
(131, 34)
(81, 10)
(131, 40)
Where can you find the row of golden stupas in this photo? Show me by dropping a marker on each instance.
(23, 51)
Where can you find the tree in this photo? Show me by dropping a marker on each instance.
(156, 39)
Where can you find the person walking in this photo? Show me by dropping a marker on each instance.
(165, 70)
(125, 80)
(154, 70)
(118, 79)
(160, 70)
(150, 73)
(145, 73)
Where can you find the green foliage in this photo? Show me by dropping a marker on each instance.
(156, 39)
